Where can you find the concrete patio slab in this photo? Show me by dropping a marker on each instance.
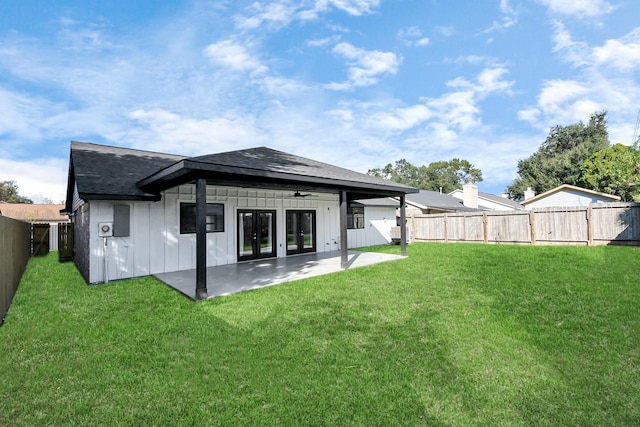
(232, 278)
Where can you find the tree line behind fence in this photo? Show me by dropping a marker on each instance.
(596, 224)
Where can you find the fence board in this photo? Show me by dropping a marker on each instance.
(15, 248)
(503, 227)
(562, 226)
(65, 242)
(599, 223)
(40, 242)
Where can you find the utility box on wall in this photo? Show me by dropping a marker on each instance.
(105, 229)
(121, 218)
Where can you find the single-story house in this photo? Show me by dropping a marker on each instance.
(567, 195)
(137, 213)
(34, 213)
(472, 198)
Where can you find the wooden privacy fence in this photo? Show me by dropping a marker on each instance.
(596, 224)
(15, 249)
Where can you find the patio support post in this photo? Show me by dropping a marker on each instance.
(403, 227)
(201, 238)
(344, 255)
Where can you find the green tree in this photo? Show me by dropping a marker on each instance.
(559, 158)
(9, 193)
(441, 175)
(614, 170)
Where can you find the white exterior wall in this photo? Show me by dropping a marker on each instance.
(155, 245)
(567, 198)
(378, 221)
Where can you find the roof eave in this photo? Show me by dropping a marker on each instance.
(184, 171)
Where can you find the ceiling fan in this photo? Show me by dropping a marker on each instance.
(299, 194)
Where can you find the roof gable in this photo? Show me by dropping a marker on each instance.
(264, 159)
(572, 188)
(114, 173)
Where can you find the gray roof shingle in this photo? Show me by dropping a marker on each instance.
(104, 172)
(434, 199)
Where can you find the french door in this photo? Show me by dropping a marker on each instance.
(301, 232)
(256, 234)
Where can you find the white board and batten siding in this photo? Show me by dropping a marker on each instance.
(155, 245)
(378, 221)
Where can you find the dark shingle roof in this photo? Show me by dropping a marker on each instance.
(103, 172)
(272, 168)
(436, 200)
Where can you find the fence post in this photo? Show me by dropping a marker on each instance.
(485, 227)
(446, 231)
(532, 226)
(589, 226)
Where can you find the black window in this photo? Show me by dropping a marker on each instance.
(215, 218)
(355, 217)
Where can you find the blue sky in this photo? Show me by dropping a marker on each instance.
(355, 83)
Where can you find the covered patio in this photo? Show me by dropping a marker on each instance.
(244, 276)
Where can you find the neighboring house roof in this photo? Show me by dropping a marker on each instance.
(491, 198)
(32, 212)
(114, 173)
(574, 189)
(426, 199)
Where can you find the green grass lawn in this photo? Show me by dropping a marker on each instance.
(456, 334)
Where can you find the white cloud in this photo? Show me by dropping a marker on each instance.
(234, 56)
(603, 80)
(577, 53)
(488, 81)
(165, 131)
(352, 7)
(402, 118)
(580, 8)
(412, 36)
(509, 18)
(364, 66)
(441, 123)
(276, 14)
(37, 178)
(622, 54)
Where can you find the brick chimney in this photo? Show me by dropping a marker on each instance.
(470, 195)
(529, 193)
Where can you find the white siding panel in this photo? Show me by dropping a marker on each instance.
(157, 236)
(155, 244)
(377, 229)
(141, 234)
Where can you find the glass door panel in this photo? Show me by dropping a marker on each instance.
(301, 232)
(246, 234)
(292, 231)
(256, 234)
(307, 225)
(267, 225)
